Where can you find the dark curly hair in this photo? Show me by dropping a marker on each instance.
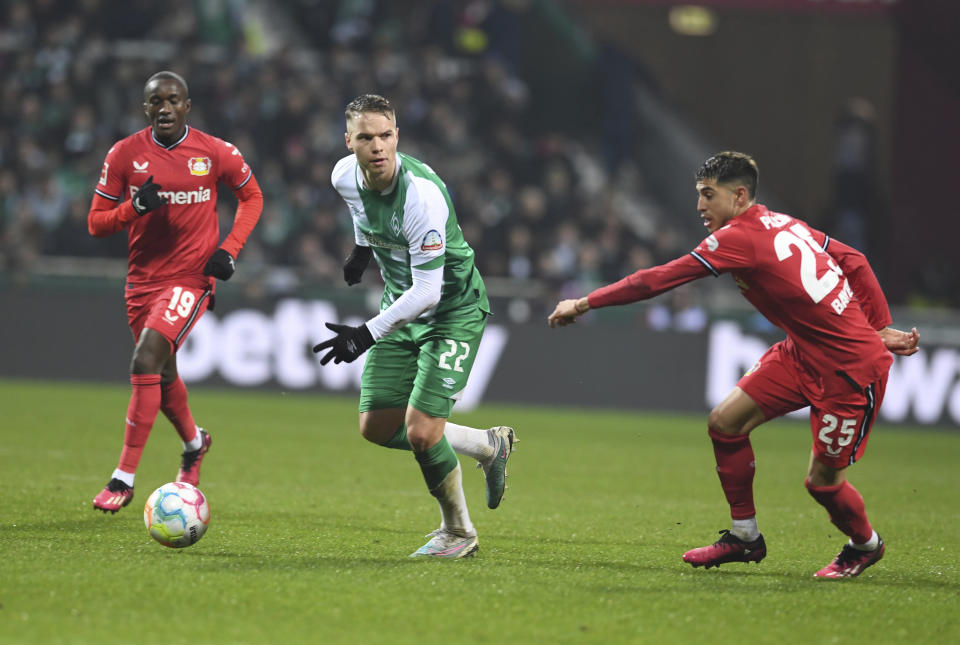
(731, 167)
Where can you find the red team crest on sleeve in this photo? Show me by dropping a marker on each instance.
(199, 166)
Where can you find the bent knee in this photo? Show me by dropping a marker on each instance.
(381, 426)
(824, 477)
(726, 419)
(145, 363)
(423, 430)
(377, 433)
(419, 441)
(717, 421)
(370, 434)
(151, 354)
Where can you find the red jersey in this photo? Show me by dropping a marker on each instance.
(822, 293)
(178, 238)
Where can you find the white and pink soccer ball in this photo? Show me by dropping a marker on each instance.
(176, 515)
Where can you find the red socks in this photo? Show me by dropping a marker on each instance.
(148, 398)
(735, 466)
(142, 412)
(847, 512)
(174, 405)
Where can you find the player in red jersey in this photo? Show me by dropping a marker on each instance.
(161, 185)
(835, 358)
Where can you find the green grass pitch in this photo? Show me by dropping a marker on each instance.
(311, 529)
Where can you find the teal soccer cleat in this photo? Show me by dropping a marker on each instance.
(445, 544)
(495, 468)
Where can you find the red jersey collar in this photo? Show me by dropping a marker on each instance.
(173, 145)
(754, 211)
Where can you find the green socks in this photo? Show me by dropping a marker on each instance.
(436, 462)
(399, 439)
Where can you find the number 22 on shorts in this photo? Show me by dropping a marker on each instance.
(455, 354)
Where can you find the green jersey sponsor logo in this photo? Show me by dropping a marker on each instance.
(376, 240)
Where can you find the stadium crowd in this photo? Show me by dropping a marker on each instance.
(538, 202)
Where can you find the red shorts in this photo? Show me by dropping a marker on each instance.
(840, 414)
(171, 309)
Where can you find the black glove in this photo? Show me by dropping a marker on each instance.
(148, 198)
(347, 345)
(355, 263)
(220, 265)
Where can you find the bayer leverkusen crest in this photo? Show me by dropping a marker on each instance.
(199, 166)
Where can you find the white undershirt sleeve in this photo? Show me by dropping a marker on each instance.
(421, 296)
(358, 237)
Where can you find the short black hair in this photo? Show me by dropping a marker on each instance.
(171, 76)
(369, 103)
(729, 167)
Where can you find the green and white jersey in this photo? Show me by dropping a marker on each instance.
(412, 224)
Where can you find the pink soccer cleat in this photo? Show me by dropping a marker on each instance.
(850, 562)
(447, 545)
(729, 548)
(115, 496)
(191, 461)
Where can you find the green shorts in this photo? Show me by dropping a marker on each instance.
(425, 365)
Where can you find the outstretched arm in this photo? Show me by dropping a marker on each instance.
(642, 285)
(567, 311)
(647, 283)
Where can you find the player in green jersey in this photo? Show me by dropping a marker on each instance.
(432, 316)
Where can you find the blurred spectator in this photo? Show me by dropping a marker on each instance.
(536, 203)
(855, 170)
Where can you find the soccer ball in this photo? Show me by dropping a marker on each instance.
(176, 514)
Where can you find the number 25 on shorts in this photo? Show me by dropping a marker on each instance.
(847, 430)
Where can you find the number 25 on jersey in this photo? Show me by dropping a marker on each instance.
(817, 287)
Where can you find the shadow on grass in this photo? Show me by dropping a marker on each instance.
(643, 575)
(72, 526)
(804, 580)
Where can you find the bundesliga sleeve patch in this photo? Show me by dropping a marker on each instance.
(431, 241)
